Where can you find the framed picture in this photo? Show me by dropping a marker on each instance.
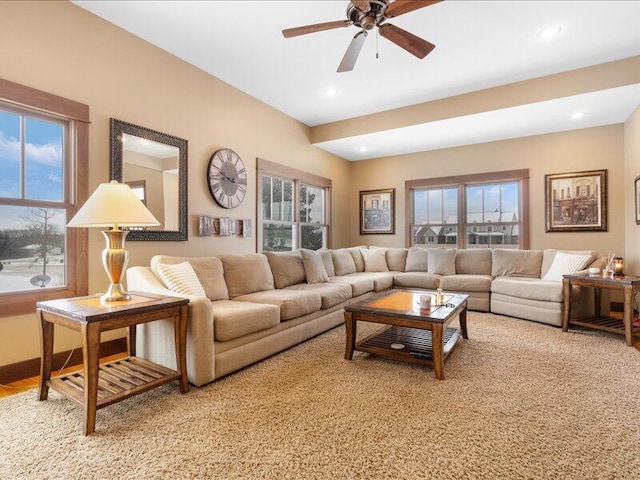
(637, 197)
(377, 211)
(576, 202)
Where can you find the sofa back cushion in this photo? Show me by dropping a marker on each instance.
(286, 268)
(417, 258)
(441, 261)
(343, 263)
(247, 273)
(375, 260)
(396, 259)
(549, 255)
(358, 259)
(209, 271)
(473, 261)
(516, 263)
(327, 260)
(313, 266)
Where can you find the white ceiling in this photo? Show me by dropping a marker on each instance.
(480, 44)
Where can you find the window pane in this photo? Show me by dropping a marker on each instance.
(474, 205)
(287, 205)
(9, 155)
(510, 201)
(43, 156)
(312, 236)
(494, 235)
(491, 203)
(311, 204)
(450, 200)
(435, 206)
(277, 237)
(276, 208)
(32, 248)
(420, 207)
(446, 235)
(266, 197)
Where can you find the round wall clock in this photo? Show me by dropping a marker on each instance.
(227, 178)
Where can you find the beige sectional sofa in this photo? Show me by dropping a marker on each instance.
(255, 305)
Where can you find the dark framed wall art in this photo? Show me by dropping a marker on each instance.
(377, 211)
(576, 201)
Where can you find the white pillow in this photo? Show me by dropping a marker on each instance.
(181, 278)
(565, 263)
(375, 260)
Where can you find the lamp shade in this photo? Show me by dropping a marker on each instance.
(113, 204)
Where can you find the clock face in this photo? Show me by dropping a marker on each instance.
(227, 178)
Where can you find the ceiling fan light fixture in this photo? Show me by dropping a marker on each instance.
(550, 32)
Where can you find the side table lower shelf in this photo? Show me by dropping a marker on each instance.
(117, 380)
(599, 322)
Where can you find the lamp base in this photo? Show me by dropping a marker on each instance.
(114, 260)
(115, 293)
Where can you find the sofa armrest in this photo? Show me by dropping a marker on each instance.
(155, 340)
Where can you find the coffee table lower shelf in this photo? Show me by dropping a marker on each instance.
(116, 381)
(417, 344)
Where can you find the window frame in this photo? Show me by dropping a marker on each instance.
(461, 182)
(29, 101)
(268, 168)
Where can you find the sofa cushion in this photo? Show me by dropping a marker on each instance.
(474, 261)
(396, 259)
(464, 282)
(516, 263)
(331, 294)
(375, 260)
(181, 278)
(234, 319)
(416, 259)
(313, 266)
(565, 263)
(549, 254)
(356, 254)
(441, 261)
(286, 267)
(208, 269)
(530, 288)
(381, 280)
(327, 260)
(292, 303)
(246, 273)
(416, 280)
(343, 262)
(359, 285)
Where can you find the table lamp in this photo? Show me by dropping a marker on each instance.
(114, 205)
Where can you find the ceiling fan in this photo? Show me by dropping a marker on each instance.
(367, 14)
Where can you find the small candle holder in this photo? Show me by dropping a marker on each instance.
(618, 266)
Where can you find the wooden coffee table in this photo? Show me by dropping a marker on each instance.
(413, 335)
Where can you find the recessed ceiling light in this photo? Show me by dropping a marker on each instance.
(329, 92)
(550, 32)
(362, 149)
(578, 115)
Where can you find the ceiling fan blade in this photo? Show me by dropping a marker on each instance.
(400, 7)
(351, 55)
(411, 43)
(362, 5)
(318, 27)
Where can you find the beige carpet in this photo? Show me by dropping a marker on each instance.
(521, 400)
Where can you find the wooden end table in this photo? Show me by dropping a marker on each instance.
(96, 386)
(629, 286)
(414, 335)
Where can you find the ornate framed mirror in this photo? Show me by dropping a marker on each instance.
(154, 164)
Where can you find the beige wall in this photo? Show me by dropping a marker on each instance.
(588, 149)
(62, 49)
(632, 170)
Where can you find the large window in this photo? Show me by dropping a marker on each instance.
(42, 138)
(293, 210)
(474, 211)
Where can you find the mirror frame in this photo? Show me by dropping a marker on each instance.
(118, 128)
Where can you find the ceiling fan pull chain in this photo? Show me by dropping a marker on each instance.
(377, 37)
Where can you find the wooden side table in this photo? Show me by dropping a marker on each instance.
(627, 284)
(96, 386)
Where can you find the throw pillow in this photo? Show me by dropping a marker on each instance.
(181, 278)
(374, 260)
(313, 266)
(343, 262)
(565, 263)
(441, 261)
(416, 260)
